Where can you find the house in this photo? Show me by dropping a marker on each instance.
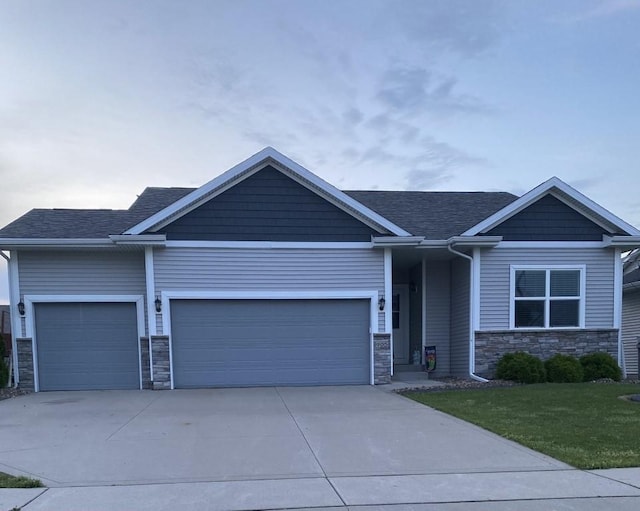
(631, 312)
(268, 275)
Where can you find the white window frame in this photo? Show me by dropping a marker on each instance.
(548, 298)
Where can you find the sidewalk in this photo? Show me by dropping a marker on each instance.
(552, 489)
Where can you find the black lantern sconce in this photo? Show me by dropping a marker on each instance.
(21, 308)
(381, 303)
(158, 304)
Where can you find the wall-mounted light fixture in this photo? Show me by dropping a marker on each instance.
(381, 303)
(158, 304)
(21, 308)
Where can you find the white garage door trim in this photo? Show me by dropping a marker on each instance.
(371, 295)
(30, 300)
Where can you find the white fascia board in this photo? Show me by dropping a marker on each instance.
(267, 155)
(474, 241)
(400, 241)
(628, 242)
(540, 190)
(144, 240)
(433, 244)
(14, 243)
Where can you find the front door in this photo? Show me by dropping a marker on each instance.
(400, 320)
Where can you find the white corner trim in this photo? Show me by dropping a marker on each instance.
(536, 193)
(617, 303)
(388, 293)
(14, 297)
(151, 292)
(475, 315)
(252, 164)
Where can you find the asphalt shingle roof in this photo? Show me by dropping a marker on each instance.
(435, 215)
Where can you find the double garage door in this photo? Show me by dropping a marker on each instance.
(226, 343)
(216, 343)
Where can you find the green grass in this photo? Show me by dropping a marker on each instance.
(9, 481)
(582, 424)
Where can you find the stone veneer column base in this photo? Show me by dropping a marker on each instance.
(381, 358)
(161, 365)
(490, 346)
(25, 363)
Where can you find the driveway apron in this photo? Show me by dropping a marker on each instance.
(143, 437)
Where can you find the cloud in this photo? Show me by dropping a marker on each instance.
(466, 27)
(415, 90)
(605, 9)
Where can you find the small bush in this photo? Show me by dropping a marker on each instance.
(600, 365)
(521, 367)
(564, 369)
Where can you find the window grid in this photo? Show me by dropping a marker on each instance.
(547, 298)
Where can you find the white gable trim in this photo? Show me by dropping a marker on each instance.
(248, 167)
(539, 191)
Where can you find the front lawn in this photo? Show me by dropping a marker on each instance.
(582, 424)
(9, 481)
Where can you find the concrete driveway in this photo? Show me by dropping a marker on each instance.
(141, 437)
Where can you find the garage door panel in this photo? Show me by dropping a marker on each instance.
(270, 342)
(83, 346)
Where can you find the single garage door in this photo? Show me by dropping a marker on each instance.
(226, 343)
(86, 346)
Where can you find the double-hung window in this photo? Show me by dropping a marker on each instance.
(547, 297)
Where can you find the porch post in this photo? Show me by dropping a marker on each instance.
(388, 296)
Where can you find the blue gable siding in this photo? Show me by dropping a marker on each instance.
(548, 219)
(268, 206)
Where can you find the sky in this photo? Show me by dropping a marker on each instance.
(101, 98)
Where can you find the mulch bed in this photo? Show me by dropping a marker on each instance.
(8, 393)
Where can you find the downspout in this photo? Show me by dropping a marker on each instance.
(14, 352)
(472, 334)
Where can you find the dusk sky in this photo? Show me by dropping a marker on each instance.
(99, 99)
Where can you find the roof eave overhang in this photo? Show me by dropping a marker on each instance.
(16, 243)
(474, 241)
(146, 240)
(625, 242)
(143, 240)
(396, 241)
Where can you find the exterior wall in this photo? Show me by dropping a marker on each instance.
(415, 311)
(221, 269)
(495, 281)
(161, 363)
(381, 358)
(75, 272)
(548, 219)
(631, 330)
(268, 206)
(490, 346)
(459, 328)
(438, 324)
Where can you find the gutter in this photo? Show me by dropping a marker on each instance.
(143, 240)
(472, 335)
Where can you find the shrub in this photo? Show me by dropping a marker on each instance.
(564, 369)
(600, 365)
(521, 367)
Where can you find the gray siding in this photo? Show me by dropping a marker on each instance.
(548, 219)
(460, 317)
(438, 327)
(212, 269)
(495, 281)
(631, 330)
(268, 206)
(82, 273)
